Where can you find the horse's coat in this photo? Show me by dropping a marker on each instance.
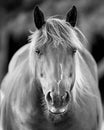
(52, 82)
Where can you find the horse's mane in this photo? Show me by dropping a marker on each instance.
(19, 80)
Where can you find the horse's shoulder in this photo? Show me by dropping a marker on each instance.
(19, 57)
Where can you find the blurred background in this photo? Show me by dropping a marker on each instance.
(16, 20)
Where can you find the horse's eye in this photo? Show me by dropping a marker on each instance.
(70, 75)
(74, 50)
(38, 52)
(41, 74)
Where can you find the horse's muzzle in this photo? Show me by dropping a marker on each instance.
(57, 103)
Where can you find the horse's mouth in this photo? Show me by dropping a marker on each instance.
(58, 111)
(56, 115)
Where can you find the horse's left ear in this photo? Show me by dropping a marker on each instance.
(38, 18)
(71, 16)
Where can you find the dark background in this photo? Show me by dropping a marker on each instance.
(16, 20)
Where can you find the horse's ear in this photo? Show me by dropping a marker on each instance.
(71, 16)
(38, 18)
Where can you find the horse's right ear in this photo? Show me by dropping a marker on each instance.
(38, 18)
(71, 16)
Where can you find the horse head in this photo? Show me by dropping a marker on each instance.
(54, 60)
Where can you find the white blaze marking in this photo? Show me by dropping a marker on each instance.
(61, 75)
(61, 71)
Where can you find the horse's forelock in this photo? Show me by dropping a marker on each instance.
(59, 31)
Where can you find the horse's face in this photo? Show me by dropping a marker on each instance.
(56, 73)
(55, 67)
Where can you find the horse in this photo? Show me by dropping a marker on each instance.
(52, 82)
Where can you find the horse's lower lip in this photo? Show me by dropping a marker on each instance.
(58, 111)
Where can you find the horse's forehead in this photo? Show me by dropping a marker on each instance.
(59, 53)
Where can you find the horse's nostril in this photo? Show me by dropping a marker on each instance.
(49, 97)
(66, 97)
